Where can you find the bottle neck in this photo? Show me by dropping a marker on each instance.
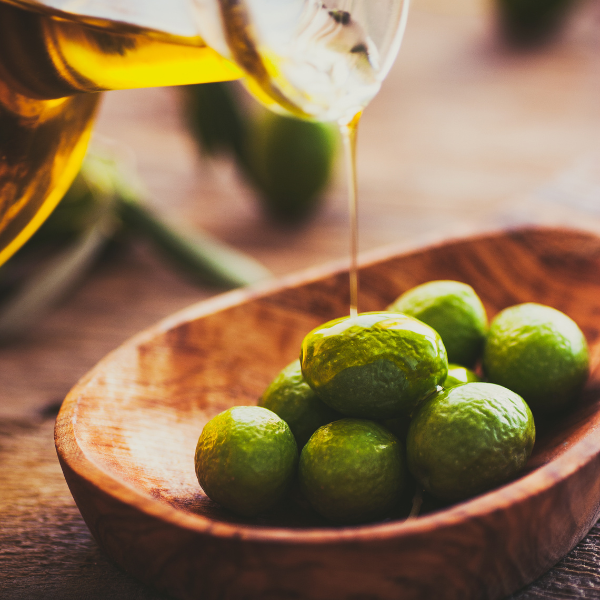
(45, 57)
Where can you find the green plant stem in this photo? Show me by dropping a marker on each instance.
(114, 204)
(203, 258)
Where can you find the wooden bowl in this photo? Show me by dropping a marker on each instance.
(126, 436)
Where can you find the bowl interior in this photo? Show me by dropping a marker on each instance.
(140, 412)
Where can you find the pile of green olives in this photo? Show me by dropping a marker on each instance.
(423, 392)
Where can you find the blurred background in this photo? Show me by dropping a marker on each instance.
(490, 118)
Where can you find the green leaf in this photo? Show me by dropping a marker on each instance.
(201, 257)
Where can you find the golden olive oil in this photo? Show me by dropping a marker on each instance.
(349, 131)
(46, 64)
(303, 58)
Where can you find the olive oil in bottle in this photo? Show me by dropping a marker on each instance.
(51, 71)
(303, 57)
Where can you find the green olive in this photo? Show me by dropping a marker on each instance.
(376, 365)
(290, 162)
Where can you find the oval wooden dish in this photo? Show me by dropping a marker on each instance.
(126, 436)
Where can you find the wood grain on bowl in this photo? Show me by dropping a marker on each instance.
(126, 435)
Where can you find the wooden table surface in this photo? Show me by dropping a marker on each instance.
(465, 136)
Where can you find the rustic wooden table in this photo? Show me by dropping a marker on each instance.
(465, 136)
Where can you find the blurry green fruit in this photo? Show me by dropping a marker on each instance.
(531, 22)
(290, 162)
(216, 118)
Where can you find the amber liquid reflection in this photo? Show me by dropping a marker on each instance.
(51, 71)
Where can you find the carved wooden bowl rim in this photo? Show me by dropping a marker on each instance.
(535, 483)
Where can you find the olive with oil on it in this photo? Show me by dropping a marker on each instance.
(376, 365)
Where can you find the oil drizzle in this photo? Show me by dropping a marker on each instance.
(349, 130)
